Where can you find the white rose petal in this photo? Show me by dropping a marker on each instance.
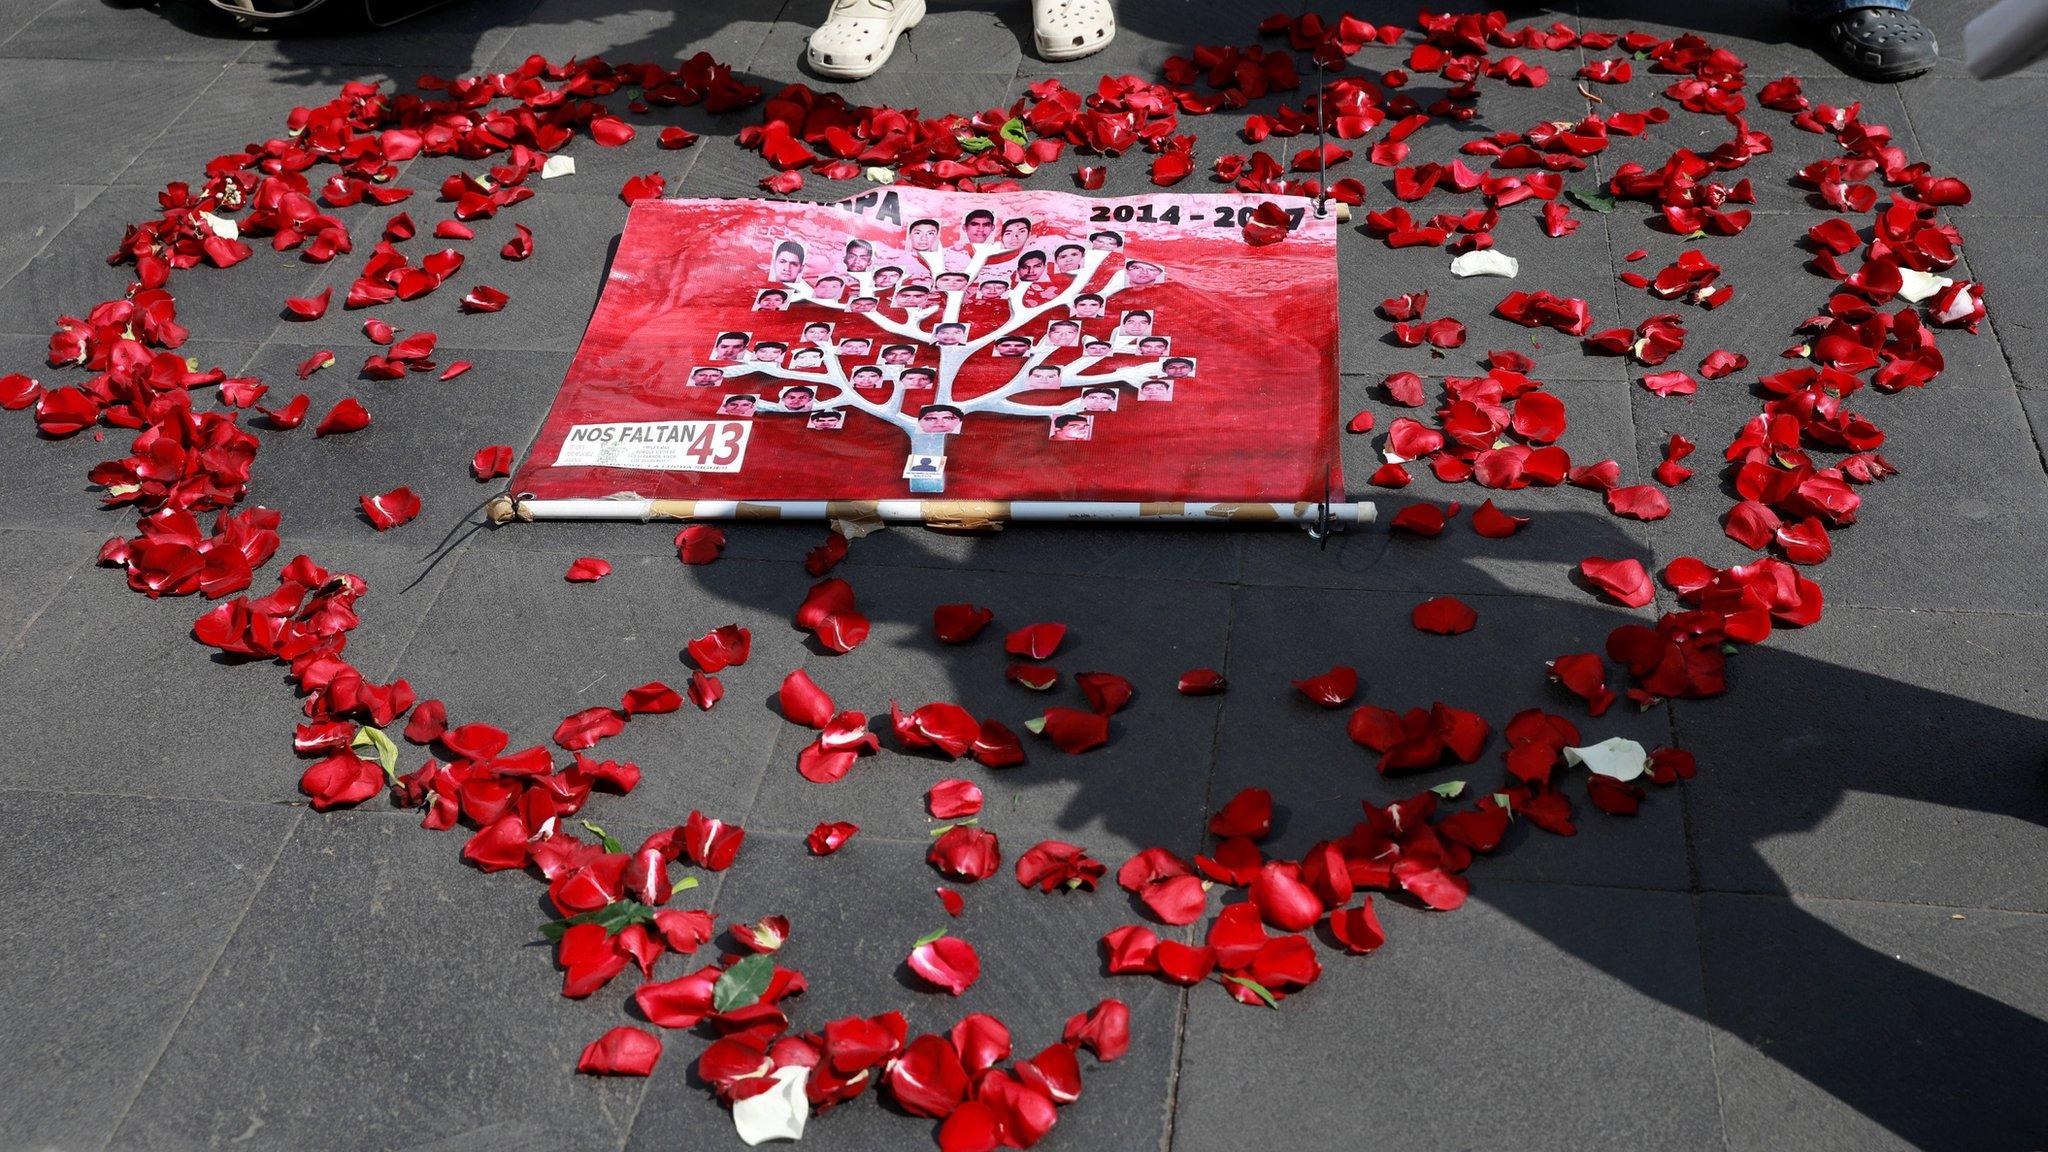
(1486, 262)
(555, 166)
(1615, 758)
(222, 227)
(777, 1114)
(1915, 285)
(880, 175)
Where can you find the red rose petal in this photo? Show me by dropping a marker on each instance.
(391, 509)
(588, 570)
(1332, 689)
(1625, 579)
(1445, 616)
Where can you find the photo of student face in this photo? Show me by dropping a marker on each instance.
(1140, 273)
(887, 277)
(1043, 376)
(770, 351)
(953, 282)
(1095, 349)
(920, 378)
(950, 335)
(826, 420)
(1156, 389)
(706, 377)
(989, 291)
(855, 347)
(913, 296)
(1135, 326)
(1072, 426)
(862, 304)
(980, 226)
(828, 288)
(1087, 306)
(796, 398)
(1063, 333)
(808, 358)
(943, 419)
(1016, 233)
(788, 262)
(867, 376)
(859, 254)
(1099, 398)
(1031, 267)
(1178, 367)
(923, 235)
(817, 332)
(730, 346)
(1011, 346)
(771, 300)
(898, 353)
(1153, 346)
(741, 405)
(1066, 259)
(1107, 241)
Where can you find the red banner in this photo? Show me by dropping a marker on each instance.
(1036, 346)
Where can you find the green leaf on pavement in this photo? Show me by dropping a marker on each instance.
(741, 985)
(613, 918)
(924, 940)
(970, 822)
(1450, 790)
(1596, 200)
(604, 837)
(1037, 725)
(683, 885)
(1257, 988)
(381, 748)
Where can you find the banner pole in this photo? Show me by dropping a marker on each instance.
(960, 514)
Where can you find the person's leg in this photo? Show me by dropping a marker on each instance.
(1071, 29)
(1874, 39)
(858, 35)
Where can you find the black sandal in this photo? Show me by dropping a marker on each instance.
(1882, 44)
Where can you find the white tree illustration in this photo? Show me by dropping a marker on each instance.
(832, 387)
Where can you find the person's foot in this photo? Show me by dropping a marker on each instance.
(1071, 29)
(1882, 44)
(858, 35)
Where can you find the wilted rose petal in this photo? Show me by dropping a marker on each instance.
(623, 1051)
(391, 509)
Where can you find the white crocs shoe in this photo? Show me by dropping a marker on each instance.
(1071, 29)
(857, 37)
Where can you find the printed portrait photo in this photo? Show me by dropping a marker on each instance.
(1043, 376)
(912, 296)
(808, 358)
(740, 405)
(1067, 258)
(770, 352)
(990, 291)
(1095, 349)
(1098, 398)
(917, 378)
(730, 345)
(1156, 389)
(922, 235)
(898, 353)
(1072, 426)
(980, 226)
(706, 377)
(952, 282)
(797, 398)
(950, 334)
(1010, 346)
(863, 304)
(826, 419)
(1031, 267)
(1143, 273)
(1088, 306)
(867, 376)
(855, 347)
(817, 332)
(941, 419)
(886, 279)
(828, 289)
(858, 255)
(1063, 333)
(1106, 240)
(1154, 346)
(771, 300)
(1016, 232)
(1177, 367)
(1134, 325)
(787, 262)
(917, 466)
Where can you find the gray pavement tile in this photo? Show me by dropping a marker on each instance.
(34, 214)
(1142, 789)
(1566, 525)
(1274, 738)
(46, 143)
(1762, 32)
(1535, 1017)
(1875, 1026)
(630, 31)
(1900, 762)
(34, 568)
(853, 919)
(552, 292)
(579, 645)
(2035, 402)
(16, 15)
(96, 30)
(49, 476)
(161, 716)
(71, 275)
(954, 36)
(382, 994)
(1966, 130)
(116, 911)
(2013, 275)
(246, 104)
(460, 38)
(423, 434)
(1948, 21)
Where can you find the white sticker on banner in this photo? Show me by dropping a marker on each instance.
(659, 446)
